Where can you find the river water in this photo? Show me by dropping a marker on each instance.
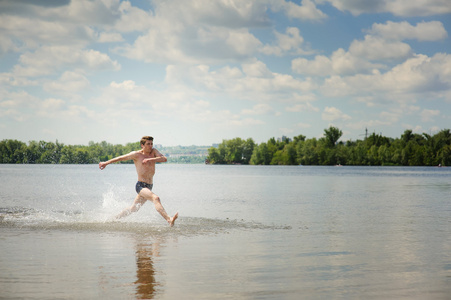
(244, 232)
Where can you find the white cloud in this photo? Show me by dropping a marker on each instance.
(79, 111)
(244, 122)
(155, 107)
(415, 128)
(110, 37)
(377, 48)
(257, 69)
(198, 32)
(306, 11)
(125, 94)
(69, 82)
(48, 59)
(332, 114)
(407, 8)
(179, 43)
(30, 32)
(221, 13)
(418, 76)
(320, 66)
(286, 131)
(52, 104)
(22, 107)
(29, 24)
(195, 32)
(306, 97)
(305, 107)
(418, 7)
(428, 115)
(383, 43)
(235, 13)
(127, 85)
(241, 42)
(289, 43)
(133, 18)
(213, 31)
(303, 125)
(258, 109)
(7, 45)
(367, 123)
(50, 108)
(424, 31)
(340, 63)
(18, 100)
(356, 7)
(390, 117)
(256, 83)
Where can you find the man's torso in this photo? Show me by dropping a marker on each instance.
(145, 171)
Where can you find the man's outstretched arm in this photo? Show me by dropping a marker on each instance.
(128, 156)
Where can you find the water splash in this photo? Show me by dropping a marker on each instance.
(26, 218)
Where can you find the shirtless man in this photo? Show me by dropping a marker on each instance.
(144, 160)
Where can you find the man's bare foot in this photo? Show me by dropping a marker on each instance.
(171, 222)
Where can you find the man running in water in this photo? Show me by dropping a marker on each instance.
(144, 160)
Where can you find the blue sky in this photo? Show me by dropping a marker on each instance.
(197, 72)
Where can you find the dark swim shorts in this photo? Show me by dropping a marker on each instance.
(140, 185)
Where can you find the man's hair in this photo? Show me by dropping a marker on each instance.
(146, 138)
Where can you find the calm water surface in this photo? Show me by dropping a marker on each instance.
(244, 232)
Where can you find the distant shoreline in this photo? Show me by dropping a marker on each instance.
(411, 149)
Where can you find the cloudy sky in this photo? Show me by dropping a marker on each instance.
(197, 72)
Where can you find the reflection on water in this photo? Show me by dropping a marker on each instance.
(146, 283)
(130, 274)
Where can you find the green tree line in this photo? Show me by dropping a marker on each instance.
(410, 149)
(17, 152)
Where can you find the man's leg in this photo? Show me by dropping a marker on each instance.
(151, 196)
(139, 201)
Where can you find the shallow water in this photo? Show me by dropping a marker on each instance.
(244, 232)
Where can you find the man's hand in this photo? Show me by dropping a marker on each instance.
(146, 160)
(102, 165)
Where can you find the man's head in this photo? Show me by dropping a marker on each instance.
(146, 138)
